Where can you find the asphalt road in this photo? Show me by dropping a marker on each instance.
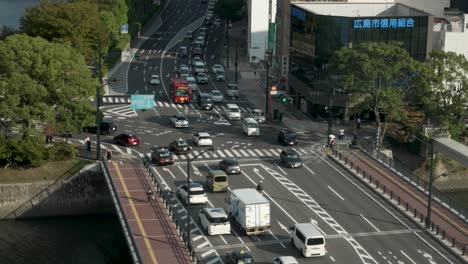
(359, 226)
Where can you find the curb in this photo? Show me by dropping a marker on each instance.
(407, 214)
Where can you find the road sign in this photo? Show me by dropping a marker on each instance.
(124, 29)
(126, 53)
(142, 101)
(273, 90)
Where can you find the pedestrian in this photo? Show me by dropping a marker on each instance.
(87, 143)
(108, 155)
(358, 122)
(281, 117)
(341, 136)
(149, 194)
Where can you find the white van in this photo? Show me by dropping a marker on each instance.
(215, 221)
(250, 127)
(307, 239)
(199, 66)
(232, 111)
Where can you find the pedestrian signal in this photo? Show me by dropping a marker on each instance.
(284, 100)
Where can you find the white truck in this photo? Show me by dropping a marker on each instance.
(250, 210)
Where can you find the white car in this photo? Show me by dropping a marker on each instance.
(215, 221)
(285, 260)
(202, 139)
(196, 195)
(216, 68)
(179, 121)
(155, 79)
(217, 96)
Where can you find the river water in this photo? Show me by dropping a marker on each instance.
(12, 10)
(76, 240)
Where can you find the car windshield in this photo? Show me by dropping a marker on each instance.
(246, 261)
(181, 118)
(216, 93)
(201, 75)
(232, 162)
(197, 192)
(182, 143)
(293, 155)
(184, 70)
(206, 99)
(219, 220)
(234, 110)
(232, 87)
(164, 154)
(258, 113)
(252, 125)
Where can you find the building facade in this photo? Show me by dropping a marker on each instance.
(260, 33)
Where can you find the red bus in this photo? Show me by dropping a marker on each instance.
(180, 91)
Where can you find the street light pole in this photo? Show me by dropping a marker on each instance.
(227, 45)
(330, 113)
(236, 63)
(267, 84)
(98, 104)
(431, 180)
(189, 210)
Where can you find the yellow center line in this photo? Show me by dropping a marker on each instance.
(409, 192)
(135, 213)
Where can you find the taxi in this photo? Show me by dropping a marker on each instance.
(239, 257)
(162, 156)
(179, 146)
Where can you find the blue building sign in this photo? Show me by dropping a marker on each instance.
(124, 29)
(142, 101)
(383, 23)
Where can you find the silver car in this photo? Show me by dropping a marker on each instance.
(184, 71)
(217, 96)
(217, 67)
(202, 78)
(258, 115)
(179, 121)
(232, 90)
(220, 76)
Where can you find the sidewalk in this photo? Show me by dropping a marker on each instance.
(446, 226)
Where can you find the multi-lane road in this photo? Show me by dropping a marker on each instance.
(359, 226)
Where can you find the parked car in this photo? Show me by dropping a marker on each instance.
(285, 260)
(179, 146)
(184, 71)
(179, 121)
(290, 159)
(202, 139)
(239, 257)
(258, 115)
(125, 139)
(287, 138)
(196, 193)
(155, 79)
(220, 76)
(216, 67)
(162, 156)
(232, 90)
(230, 166)
(217, 96)
(202, 78)
(105, 128)
(215, 221)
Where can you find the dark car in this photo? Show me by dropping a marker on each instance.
(287, 138)
(239, 256)
(106, 128)
(230, 166)
(290, 159)
(205, 102)
(125, 139)
(162, 156)
(197, 51)
(179, 146)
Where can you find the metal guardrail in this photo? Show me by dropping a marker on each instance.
(120, 215)
(166, 195)
(405, 173)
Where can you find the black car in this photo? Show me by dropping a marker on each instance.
(290, 159)
(106, 128)
(287, 138)
(230, 166)
(162, 156)
(205, 102)
(179, 146)
(239, 256)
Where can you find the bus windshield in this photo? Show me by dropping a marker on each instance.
(181, 92)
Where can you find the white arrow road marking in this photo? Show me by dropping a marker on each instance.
(258, 173)
(282, 226)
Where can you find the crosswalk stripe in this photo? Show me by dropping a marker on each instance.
(190, 156)
(279, 150)
(166, 104)
(267, 152)
(117, 149)
(214, 155)
(217, 108)
(129, 151)
(251, 152)
(206, 155)
(221, 153)
(148, 154)
(303, 150)
(161, 103)
(175, 157)
(236, 153)
(180, 106)
(173, 105)
(273, 151)
(244, 153)
(229, 154)
(259, 152)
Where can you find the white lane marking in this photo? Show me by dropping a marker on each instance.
(370, 223)
(275, 237)
(256, 172)
(281, 169)
(259, 152)
(332, 259)
(337, 194)
(170, 172)
(307, 168)
(240, 239)
(224, 240)
(236, 153)
(229, 154)
(267, 153)
(219, 152)
(117, 148)
(204, 244)
(214, 260)
(384, 208)
(129, 151)
(244, 153)
(274, 152)
(206, 253)
(197, 238)
(251, 152)
(404, 254)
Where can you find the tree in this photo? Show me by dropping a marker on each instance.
(76, 23)
(230, 10)
(448, 99)
(379, 76)
(44, 82)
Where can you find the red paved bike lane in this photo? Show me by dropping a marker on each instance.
(453, 228)
(155, 236)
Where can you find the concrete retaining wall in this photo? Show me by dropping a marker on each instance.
(84, 193)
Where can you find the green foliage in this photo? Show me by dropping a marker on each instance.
(232, 10)
(449, 95)
(378, 77)
(28, 152)
(63, 151)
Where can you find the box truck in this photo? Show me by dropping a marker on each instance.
(250, 210)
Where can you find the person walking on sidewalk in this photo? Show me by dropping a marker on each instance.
(87, 143)
(108, 155)
(358, 122)
(341, 136)
(149, 194)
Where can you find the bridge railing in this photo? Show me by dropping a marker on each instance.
(166, 195)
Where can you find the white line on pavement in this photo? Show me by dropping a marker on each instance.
(370, 223)
(337, 194)
(404, 254)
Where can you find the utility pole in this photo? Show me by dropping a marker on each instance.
(227, 45)
(331, 96)
(236, 62)
(267, 84)
(431, 180)
(98, 104)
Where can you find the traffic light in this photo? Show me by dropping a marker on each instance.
(284, 100)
